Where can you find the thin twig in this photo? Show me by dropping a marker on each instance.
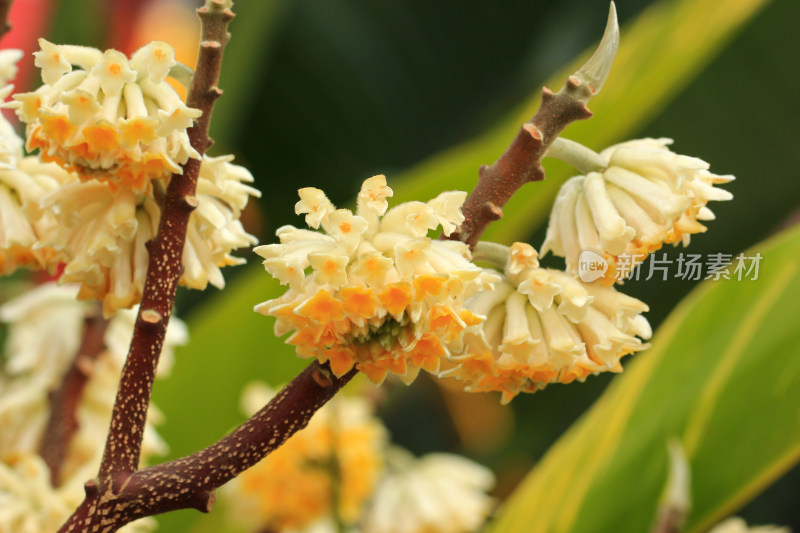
(188, 483)
(64, 401)
(522, 161)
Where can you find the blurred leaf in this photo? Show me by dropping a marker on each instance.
(723, 375)
(659, 54)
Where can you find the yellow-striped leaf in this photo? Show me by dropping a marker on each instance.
(723, 376)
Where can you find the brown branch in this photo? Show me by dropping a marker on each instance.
(121, 455)
(522, 161)
(189, 482)
(63, 421)
(5, 24)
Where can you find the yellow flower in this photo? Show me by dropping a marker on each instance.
(102, 231)
(113, 119)
(373, 290)
(542, 326)
(640, 196)
(329, 469)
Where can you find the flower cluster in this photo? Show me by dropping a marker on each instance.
(101, 232)
(92, 198)
(340, 473)
(373, 290)
(642, 196)
(437, 493)
(112, 119)
(44, 336)
(542, 326)
(330, 468)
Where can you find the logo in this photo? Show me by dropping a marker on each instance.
(591, 266)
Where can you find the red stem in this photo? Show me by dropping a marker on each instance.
(63, 421)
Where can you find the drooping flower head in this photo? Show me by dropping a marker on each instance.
(102, 231)
(324, 472)
(643, 196)
(543, 326)
(372, 289)
(113, 119)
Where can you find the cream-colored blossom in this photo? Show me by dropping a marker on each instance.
(111, 119)
(8, 65)
(45, 329)
(437, 493)
(737, 525)
(22, 223)
(372, 290)
(44, 334)
(643, 197)
(21, 186)
(322, 474)
(102, 231)
(543, 326)
(47, 308)
(30, 504)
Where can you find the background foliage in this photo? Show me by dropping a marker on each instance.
(328, 93)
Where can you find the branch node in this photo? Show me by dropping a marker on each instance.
(573, 82)
(207, 501)
(190, 201)
(210, 45)
(533, 131)
(492, 212)
(322, 377)
(151, 316)
(91, 488)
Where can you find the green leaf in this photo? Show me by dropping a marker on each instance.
(723, 376)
